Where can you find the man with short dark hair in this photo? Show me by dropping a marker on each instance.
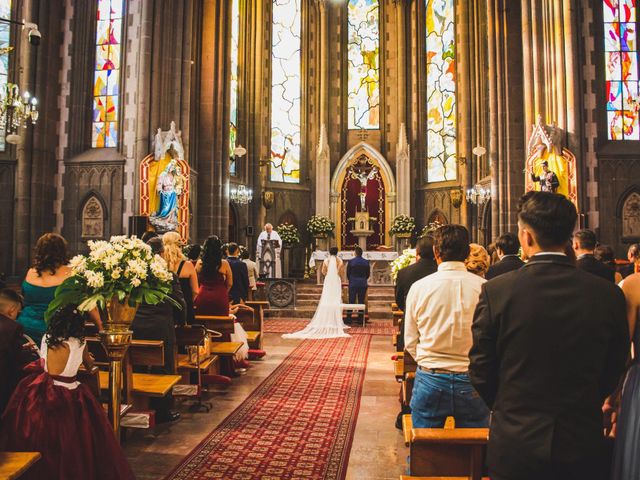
(358, 271)
(425, 265)
(239, 292)
(12, 355)
(584, 244)
(550, 343)
(437, 319)
(507, 246)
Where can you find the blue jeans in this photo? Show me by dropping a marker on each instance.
(437, 396)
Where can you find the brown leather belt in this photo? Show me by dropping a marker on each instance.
(441, 371)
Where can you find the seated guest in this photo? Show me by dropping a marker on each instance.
(13, 357)
(425, 265)
(604, 254)
(157, 322)
(239, 291)
(254, 273)
(550, 343)
(633, 255)
(54, 414)
(478, 260)
(438, 336)
(184, 270)
(49, 270)
(584, 244)
(507, 246)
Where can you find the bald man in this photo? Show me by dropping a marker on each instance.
(269, 234)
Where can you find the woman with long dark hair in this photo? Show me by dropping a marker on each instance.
(52, 413)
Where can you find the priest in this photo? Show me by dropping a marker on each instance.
(268, 252)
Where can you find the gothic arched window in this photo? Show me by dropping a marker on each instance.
(235, 52)
(286, 90)
(5, 36)
(621, 62)
(364, 64)
(441, 90)
(106, 86)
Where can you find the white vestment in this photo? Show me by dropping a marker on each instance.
(273, 236)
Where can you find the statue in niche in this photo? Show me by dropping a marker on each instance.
(631, 216)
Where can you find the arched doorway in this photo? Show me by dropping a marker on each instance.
(232, 235)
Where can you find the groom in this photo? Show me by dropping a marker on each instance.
(358, 271)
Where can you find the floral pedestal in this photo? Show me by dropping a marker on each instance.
(322, 242)
(402, 241)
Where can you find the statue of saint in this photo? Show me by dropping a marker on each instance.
(548, 180)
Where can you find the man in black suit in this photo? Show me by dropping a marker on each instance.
(358, 271)
(550, 343)
(240, 289)
(507, 246)
(584, 244)
(425, 265)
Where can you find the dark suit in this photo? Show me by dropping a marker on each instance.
(240, 288)
(591, 264)
(509, 263)
(550, 343)
(12, 358)
(410, 275)
(358, 271)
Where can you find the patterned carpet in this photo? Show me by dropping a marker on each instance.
(282, 325)
(298, 424)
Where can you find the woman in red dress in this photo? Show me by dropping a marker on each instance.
(54, 414)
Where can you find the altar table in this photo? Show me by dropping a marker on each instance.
(380, 265)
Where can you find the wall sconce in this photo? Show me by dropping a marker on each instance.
(456, 198)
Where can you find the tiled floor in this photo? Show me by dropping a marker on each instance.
(378, 451)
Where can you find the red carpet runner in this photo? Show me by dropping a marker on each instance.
(298, 424)
(375, 327)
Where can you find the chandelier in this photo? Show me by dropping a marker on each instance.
(16, 111)
(478, 195)
(241, 195)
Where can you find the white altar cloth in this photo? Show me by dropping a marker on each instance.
(380, 265)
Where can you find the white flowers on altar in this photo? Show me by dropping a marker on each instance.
(402, 224)
(124, 267)
(320, 225)
(407, 258)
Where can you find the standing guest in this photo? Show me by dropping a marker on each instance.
(425, 265)
(605, 254)
(193, 255)
(158, 322)
(478, 261)
(239, 291)
(358, 271)
(507, 246)
(633, 255)
(49, 270)
(13, 357)
(545, 372)
(184, 270)
(584, 244)
(254, 273)
(438, 336)
(54, 414)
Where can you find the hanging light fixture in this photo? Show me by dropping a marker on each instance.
(241, 195)
(478, 195)
(16, 111)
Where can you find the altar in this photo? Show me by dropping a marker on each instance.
(380, 265)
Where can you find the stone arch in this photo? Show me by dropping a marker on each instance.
(93, 214)
(437, 215)
(386, 174)
(288, 217)
(628, 214)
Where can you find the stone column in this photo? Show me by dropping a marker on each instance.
(403, 173)
(323, 174)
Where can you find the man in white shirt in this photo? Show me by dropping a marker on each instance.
(254, 273)
(438, 316)
(267, 258)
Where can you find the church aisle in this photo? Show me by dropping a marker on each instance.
(378, 452)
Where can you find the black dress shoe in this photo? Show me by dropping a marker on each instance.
(170, 416)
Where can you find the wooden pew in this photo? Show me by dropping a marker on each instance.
(14, 464)
(223, 347)
(257, 325)
(448, 451)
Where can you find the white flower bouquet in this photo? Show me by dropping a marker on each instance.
(402, 224)
(407, 258)
(288, 234)
(430, 228)
(124, 268)
(320, 225)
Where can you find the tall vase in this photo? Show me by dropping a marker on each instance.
(402, 241)
(322, 242)
(115, 339)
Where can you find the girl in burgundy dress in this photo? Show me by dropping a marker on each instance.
(54, 414)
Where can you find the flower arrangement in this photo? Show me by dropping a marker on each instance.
(402, 224)
(123, 267)
(407, 258)
(288, 234)
(430, 228)
(320, 225)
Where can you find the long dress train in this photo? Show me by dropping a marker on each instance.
(327, 321)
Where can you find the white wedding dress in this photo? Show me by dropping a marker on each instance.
(327, 321)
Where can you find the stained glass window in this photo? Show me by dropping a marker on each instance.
(5, 33)
(364, 64)
(235, 51)
(285, 91)
(441, 90)
(106, 86)
(621, 60)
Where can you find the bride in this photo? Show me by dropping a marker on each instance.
(327, 321)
